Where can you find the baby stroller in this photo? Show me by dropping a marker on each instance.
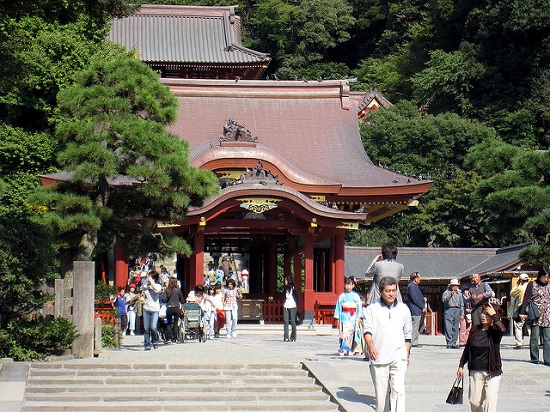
(193, 326)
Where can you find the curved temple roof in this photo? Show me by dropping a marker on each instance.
(302, 126)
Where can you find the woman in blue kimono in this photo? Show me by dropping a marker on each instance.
(347, 311)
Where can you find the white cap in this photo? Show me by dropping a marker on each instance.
(454, 282)
(524, 276)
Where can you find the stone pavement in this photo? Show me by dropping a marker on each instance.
(524, 386)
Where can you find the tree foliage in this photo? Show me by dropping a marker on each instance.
(515, 189)
(126, 172)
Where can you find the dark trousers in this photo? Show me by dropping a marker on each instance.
(172, 329)
(289, 316)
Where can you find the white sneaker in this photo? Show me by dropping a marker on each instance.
(234, 334)
(228, 336)
(132, 333)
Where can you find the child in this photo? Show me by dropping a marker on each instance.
(360, 320)
(220, 313)
(209, 312)
(119, 303)
(131, 298)
(347, 311)
(230, 297)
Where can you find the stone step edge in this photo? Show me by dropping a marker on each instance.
(173, 366)
(153, 397)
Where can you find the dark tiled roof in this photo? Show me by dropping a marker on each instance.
(437, 263)
(504, 258)
(185, 34)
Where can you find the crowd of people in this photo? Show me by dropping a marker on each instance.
(155, 297)
(384, 329)
(379, 326)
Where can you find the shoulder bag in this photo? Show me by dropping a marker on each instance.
(456, 394)
(533, 313)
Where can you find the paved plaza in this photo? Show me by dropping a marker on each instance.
(524, 386)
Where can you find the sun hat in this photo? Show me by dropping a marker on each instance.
(454, 282)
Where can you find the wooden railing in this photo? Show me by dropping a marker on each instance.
(324, 314)
(273, 311)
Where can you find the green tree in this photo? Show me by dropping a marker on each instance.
(452, 215)
(446, 81)
(126, 173)
(515, 189)
(299, 35)
(404, 140)
(27, 260)
(42, 44)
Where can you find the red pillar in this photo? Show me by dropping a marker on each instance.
(196, 260)
(272, 269)
(339, 264)
(121, 264)
(309, 298)
(298, 277)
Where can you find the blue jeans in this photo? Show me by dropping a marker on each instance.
(150, 322)
(536, 331)
(231, 321)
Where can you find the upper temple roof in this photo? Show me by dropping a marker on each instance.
(186, 34)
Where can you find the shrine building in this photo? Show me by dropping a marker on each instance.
(293, 172)
(294, 176)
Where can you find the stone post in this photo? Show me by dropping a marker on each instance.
(59, 298)
(83, 308)
(97, 342)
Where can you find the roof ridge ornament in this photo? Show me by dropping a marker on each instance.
(259, 175)
(235, 132)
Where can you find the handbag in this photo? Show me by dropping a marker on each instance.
(456, 394)
(533, 313)
(162, 312)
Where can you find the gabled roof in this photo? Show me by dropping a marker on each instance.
(438, 263)
(185, 34)
(372, 100)
(504, 259)
(309, 131)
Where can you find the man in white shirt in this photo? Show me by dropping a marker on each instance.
(388, 330)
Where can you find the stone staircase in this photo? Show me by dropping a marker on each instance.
(157, 387)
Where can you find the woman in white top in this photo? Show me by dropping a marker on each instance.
(290, 309)
(151, 292)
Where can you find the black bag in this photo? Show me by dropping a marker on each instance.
(533, 313)
(456, 393)
(298, 318)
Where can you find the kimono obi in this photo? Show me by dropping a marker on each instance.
(349, 307)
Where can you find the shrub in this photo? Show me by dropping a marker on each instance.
(37, 338)
(108, 337)
(104, 291)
